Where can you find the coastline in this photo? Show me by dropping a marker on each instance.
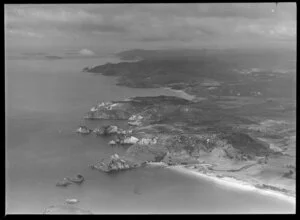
(181, 93)
(232, 183)
(157, 164)
(224, 181)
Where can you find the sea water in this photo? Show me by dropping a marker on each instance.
(45, 102)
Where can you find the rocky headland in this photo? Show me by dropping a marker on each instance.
(176, 131)
(233, 124)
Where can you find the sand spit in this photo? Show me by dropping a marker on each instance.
(182, 94)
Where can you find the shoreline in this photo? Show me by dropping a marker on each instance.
(182, 93)
(225, 181)
(233, 183)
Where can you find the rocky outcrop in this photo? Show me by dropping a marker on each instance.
(187, 148)
(78, 179)
(88, 68)
(153, 113)
(109, 130)
(72, 201)
(124, 140)
(64, 183)
(100, 131)
(135, 120)
(148, 141)
(110, 110)
(224, 126)
(83, 130)
(129, 109)
(112, 142)
(114, 164)
(130, 140)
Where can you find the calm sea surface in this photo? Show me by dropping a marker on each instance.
(45, 102)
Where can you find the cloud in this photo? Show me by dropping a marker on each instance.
(24, 33)
(110, 28)
(276, 31)
(58, 18)
(86, 52)
(98, 24)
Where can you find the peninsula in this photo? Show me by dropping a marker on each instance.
(239, 126)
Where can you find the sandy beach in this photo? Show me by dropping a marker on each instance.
(182, 94)
(233, 183)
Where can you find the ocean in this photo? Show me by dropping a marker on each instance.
(45, 101)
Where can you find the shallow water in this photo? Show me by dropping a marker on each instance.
(45, 102)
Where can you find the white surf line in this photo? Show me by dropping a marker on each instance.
(157, 164)
(233, 183)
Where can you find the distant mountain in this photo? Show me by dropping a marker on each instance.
(34, 54)
(158, 54)
(53, 57)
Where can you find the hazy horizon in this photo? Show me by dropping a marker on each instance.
(108, 28)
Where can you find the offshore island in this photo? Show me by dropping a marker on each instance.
(234, 121)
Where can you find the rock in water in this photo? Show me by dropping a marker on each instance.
(115, 164)
(83, 130)
(112, 129)
(101, 131)
(66, 209)
(147, 141)
(77, 179)
(130, 140)
(112, 142)
(72, 201)
(65, 182)
(115, 157)
(108, 130)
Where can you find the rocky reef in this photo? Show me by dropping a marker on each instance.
(83, 130)
(115, 163)
(109, 130)
(78, 179)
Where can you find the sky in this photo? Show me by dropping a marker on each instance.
(96, 28)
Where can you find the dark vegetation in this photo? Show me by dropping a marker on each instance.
(187, 69)
(226, 124)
